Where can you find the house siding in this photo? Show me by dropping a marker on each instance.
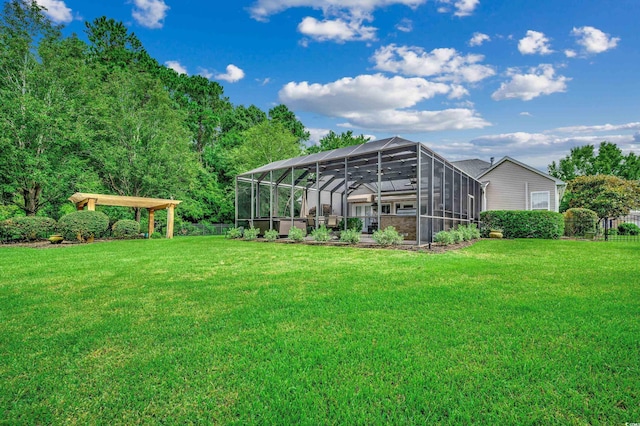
(510, 187)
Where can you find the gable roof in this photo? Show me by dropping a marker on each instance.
(473, 167)
(506, 158)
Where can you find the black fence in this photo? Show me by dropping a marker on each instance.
(185, 229)
(624, 228)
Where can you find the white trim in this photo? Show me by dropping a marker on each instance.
(541, 192)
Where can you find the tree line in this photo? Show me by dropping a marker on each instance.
(103, 116)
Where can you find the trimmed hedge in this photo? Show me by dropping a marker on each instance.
(579, 221)
(26, 228)
(126, 228)
(523, 223)
(628, 228)
(83, 225)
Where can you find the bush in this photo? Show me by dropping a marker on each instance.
(524, 223)
(83, 225)
(456, 235)
(271, 235)
(578, 221)
(27, 228)
(321, 234)
(234, 233)
(628, 228)
(470, 232)
(350, 236)
(156, 235)
(388, 236)
(125, 228)
(444, 237)
(352, 223)
(296, 234)
(251, 234)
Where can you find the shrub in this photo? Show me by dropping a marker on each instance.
(156, 235)
(352, 223)
(524, 223)
(628, 228)
(83, 225)
(271, 235)
(471, 232)
(251, 234)
(27, 228)
(296, 234)
(350, 236)
(126, 228)
(234, 233)
(444, 237)
(579, 221)
(321, 234)
(388, 236)
(456, 235)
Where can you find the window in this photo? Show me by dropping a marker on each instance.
(385, 208)
(540, 200)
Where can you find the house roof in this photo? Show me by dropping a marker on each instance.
(506, 158)
(473, 167)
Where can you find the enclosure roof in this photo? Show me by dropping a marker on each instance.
(335, 154)
(122, 201)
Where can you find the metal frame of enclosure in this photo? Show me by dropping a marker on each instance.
(386, 182)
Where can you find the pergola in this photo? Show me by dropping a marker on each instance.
(151, 204)
(389, 182)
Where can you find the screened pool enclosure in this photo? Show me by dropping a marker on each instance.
(389, 182)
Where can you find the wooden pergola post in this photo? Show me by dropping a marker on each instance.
(170, 209)
(151, 228)
(91, 204)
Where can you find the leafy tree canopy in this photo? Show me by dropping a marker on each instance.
(608, 196)
(583, 161)
(335, 141)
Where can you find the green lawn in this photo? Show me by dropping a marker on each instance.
(206, 330)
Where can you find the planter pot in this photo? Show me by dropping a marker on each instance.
(56, 239)
(495, 234)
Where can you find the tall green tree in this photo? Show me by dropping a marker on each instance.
(41, 108)
(608, 196)
(289, 121)
(583, 161)
(335, 141)
(264, 143)
(141, 144)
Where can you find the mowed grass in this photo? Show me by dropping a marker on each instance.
(206, 330)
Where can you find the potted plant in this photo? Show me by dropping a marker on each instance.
(495, 233)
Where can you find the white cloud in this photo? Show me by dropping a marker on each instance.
(264, 81)
(338, 30)
(56, 10)
(379, 103)
(478, 39)
(526, 114)
(406, 25)
(534, 42)
(445, 64)
(315, 135)
(205, 73)
(541, 80)
(232, 75)
(598, 128)
(569, 53)
(535, 149)
(150, 13)
(465, 7)
(593, 40)
(177, 67)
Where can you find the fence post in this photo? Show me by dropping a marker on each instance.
(606, 229)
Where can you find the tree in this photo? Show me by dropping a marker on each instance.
(335, 141)
(41, 80)
(141, 144)
(582, 161)
(288, 119)
(265, 143)
(608, 196)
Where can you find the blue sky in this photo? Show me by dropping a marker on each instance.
(470, 78)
